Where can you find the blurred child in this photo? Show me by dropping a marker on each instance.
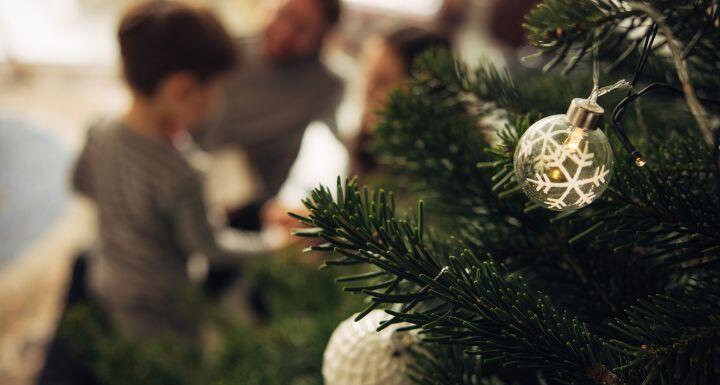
(387, 63)
(150, 200)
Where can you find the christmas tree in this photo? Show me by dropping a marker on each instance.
(619, 286)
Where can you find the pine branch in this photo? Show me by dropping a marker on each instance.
(674, 339)
(448, 365)
(472, 300)
(670, 214)
(653, 234)
(437, 144)
(566, 28)
(663, 211)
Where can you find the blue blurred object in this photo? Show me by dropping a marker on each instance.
(33, 185)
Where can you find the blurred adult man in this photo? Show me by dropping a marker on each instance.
(281, 88)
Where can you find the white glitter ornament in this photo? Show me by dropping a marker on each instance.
(358, 355)
(564, 162)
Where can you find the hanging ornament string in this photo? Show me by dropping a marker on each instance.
(564, 162)
(596, 73)
(622, 83)
(598, 91)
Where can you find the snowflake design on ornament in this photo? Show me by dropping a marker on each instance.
(559, 167)
(549, 145)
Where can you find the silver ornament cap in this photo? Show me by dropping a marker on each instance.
(584, 114)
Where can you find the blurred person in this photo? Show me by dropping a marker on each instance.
(506, 18)
(453, 15)
(281, 89)
(151, 207)
(387, 63)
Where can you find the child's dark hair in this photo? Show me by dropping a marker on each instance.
(410, 42)
(332, 10)
(159, 38)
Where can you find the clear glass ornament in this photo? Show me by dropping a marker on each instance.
(564, 165)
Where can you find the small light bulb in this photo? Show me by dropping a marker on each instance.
(639, 161)
(555, 174)
(572, 143)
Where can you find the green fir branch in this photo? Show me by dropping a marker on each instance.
(674, 339)
(448, 365)
(475, 302)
